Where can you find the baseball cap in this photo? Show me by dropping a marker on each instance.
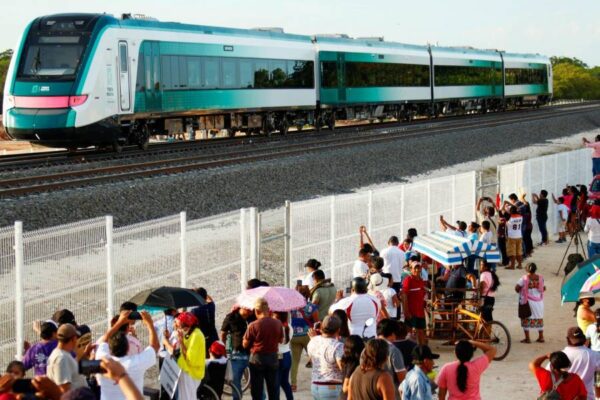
(421, 353)
(331, 324)
(67, 331)
(64, 316)
(217, 348)
(575, 335)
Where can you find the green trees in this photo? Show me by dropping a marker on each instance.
(574, 79)
(4, 61)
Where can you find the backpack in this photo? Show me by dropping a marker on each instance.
(552, 394)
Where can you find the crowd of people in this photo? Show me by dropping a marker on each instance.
(363, 340)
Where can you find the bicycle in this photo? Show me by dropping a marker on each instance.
(229, 387)
(474, 327)
(206, 392)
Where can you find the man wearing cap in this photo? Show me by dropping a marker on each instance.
(326, 353)
(360, 307)
(585, 362)
(416, 385)
(114, 344)
(37, 355)
(413, 300)
(62, 367)
(262, 338)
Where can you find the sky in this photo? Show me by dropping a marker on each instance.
(548, 27)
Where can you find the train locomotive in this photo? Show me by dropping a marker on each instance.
(80, 80)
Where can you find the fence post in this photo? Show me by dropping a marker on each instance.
(258, 244)
(402, 209)
(253, 243)
(183, 248)
(332, 239)
(19, 295)
(370, 212)
(110, 279)
(453, 200)
(287, 242)
(243, 272)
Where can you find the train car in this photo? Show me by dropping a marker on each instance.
(370, 79)
(528, 79)
(466, 79)
(88, 79)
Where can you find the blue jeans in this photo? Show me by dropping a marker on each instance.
(543, 230)
(596, 166)
(593, 249)
(285, 365)
(239, 362)
(325, 392)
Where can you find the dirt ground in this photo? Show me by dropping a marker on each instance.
(510, 378)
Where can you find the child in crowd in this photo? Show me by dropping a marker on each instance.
(16, 369)
(216, 367)
(391, 297)
(485, 235)
(562, 212)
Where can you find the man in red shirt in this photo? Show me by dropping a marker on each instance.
(568, 385)
(413, 301)
(262, 338)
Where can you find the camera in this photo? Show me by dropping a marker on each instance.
(135, 316)
(23, 386)
(89, 367)
(348, 290)
(299, 282)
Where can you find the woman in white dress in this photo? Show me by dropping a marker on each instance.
(531, 289)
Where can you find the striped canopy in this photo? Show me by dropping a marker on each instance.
(449, 249)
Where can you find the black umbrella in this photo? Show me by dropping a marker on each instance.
(168, 297)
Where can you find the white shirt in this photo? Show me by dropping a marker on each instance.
(513, 227)
(309, 280)
(360, 269)
(393, 261)
(584, 362)
(592, 334)
(135, 366)
(388, 295)
(359, 308)
(486, 237)
(285, 347)
(562, 212)
(592, 228)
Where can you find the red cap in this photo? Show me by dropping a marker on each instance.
(187, 319)
(217, 348)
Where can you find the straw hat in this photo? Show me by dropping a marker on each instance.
(586, 295)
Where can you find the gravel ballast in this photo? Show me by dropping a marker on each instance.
(268, 184)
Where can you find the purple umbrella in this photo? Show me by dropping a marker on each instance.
(279, 298)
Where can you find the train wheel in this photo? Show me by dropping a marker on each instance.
(144, 138)
(299, 127)
(284, 127)
(331, 122)
(117, 147)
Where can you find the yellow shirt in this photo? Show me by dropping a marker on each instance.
(194, 363)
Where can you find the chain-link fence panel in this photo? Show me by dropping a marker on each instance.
(65, 267)
(214, 258)
(272, 247)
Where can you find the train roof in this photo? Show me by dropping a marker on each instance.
(368, 42)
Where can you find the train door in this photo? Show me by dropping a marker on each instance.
(152, 76)
(124, 80)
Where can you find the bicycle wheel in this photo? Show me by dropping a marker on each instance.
(496, 334)
(205, 392)
(245, 383)
(229, 388)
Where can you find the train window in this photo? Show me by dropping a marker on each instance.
(229, 73)
(194, 72)
(278, 73)
(174, 72)
(246, 74)
(329, 76)
(300, 74)
(123, 57)
(211, 72)
(450, 75)
(261, 74)
(139, 81)
(183, 81)
(361, 74)
(166, 72)
(526, 76)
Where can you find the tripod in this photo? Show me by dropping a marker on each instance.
(575, 237)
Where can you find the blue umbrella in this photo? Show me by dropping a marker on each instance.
(571, 287)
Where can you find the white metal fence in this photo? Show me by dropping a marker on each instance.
(327, 228)
(552, 173)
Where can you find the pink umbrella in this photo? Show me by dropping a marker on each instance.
(279, 298)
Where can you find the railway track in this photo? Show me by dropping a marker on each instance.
(63, 157)
(49, 182)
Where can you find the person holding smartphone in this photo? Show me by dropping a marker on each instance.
(114, 344)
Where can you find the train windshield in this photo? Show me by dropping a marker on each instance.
(55, 46)
(52, 56)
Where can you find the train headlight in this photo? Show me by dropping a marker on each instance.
(75, 101)
(10, 101)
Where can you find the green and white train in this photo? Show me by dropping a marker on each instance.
(92, 79)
